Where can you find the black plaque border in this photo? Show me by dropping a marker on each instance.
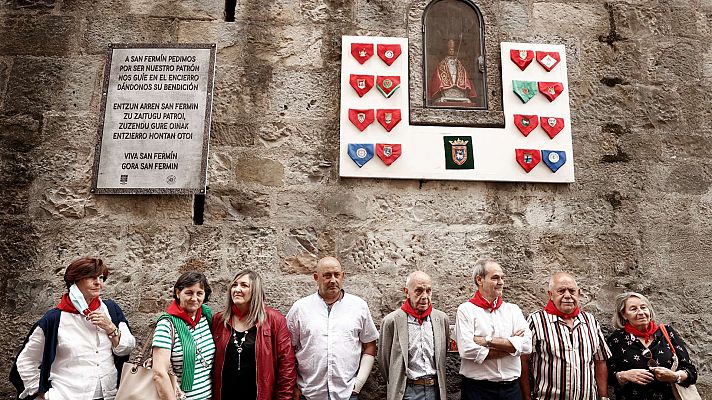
(206, 133)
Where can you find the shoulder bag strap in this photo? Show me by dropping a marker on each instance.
(672, 348)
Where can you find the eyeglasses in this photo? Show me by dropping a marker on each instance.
(652, 363)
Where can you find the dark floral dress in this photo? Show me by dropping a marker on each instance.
(628, 354)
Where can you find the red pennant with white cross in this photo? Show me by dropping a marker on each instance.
(388, 118)
(362, 51)
(525, 123)
(528, 158)
(361, 118)
(551, 90)
(552, 125)
(388, 153)
(548, 59)
(521, 57)
(388, 52)
(361, 83)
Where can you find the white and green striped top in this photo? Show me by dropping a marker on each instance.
(202, 384)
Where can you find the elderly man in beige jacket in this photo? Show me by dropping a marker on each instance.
(413, 345)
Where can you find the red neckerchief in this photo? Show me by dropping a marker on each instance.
(236, 312)
(66, 305)
(652, 328)
(175, 310)
(551, 309)
(410, 311)
(481, 302)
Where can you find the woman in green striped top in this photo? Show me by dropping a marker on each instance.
(183, 344)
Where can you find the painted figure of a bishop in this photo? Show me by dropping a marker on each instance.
(450, 83)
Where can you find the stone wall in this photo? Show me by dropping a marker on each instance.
(638, 216)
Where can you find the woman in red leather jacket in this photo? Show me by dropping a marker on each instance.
(253, 347)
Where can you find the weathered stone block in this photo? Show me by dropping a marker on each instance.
(5, 68)
(40, 84)
(381, 16)
(237, 205)
(251, 168)
(19, 133)
(572, 18)
(47, 5)
(39, 35)
(241, 44)
(127, 29)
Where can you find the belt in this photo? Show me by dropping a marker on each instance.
(423, 381)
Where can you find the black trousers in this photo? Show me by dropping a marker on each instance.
(471, 389)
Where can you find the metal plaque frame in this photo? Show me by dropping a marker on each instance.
(202, 178)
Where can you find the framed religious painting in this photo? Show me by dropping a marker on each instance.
(454, 56)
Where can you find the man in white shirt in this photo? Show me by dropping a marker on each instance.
(491, 335)
(413, 345)
(334, 338)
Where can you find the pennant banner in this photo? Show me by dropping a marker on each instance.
(458, 152)
(388, 118)
(388, 153)
(526, 123)
(552, 125)
(388, 52)
(551, 90)
(528, 158)
(362, 51)
(548, 59)
(361, 153)
(553, 159)
(361, 118)
(522, 58)
(524, 89)
(361, 83)
(388, 85)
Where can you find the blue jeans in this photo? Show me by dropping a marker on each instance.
(420, 392)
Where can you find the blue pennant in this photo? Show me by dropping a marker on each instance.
(361, 153)
(553, 159)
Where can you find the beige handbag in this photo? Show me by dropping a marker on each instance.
(137, 376)
(680, 392)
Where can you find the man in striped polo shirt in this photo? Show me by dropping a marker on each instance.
(570, 352)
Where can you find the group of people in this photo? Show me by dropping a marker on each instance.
(326, 346)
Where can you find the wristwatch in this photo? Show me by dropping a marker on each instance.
(603, 398)
(488, 340)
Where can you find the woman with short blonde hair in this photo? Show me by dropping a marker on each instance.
(641, 360)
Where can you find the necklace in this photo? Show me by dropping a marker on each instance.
(238, 345)
(198, 352)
